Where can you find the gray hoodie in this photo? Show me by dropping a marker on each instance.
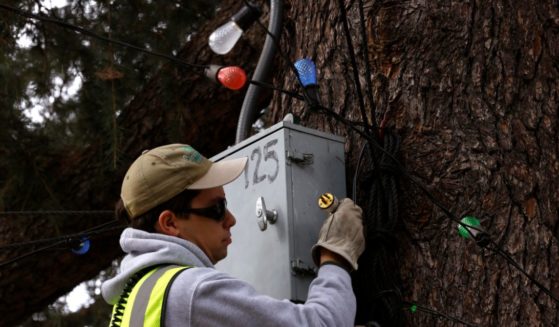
(203, 296)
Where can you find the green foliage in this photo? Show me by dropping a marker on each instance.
(41, 74)
(110, 73)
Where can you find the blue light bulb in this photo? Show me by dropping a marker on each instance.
(82, 247)
(307, 71)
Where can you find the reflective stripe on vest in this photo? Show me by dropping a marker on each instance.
(145, 305)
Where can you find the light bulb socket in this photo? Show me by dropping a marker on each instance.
(211, 72)
(312, 96)
(470, 226)
(483, 239)
(247, 15)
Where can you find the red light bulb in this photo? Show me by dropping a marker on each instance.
(232, 77)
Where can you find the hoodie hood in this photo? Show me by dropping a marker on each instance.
(145, 249)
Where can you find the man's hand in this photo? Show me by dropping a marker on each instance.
(341, 237)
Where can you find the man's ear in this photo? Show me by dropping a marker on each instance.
(166, 223)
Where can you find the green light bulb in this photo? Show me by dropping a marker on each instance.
(413, 308)
(469, 221)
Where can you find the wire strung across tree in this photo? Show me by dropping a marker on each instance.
(200, 68)
(57, 212)
(372, 141)
(68, 241)
(100, 229)
(412, 306)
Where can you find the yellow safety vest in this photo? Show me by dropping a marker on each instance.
(142, 302)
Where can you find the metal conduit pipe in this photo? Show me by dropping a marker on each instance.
(249, 110)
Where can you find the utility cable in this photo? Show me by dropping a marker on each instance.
(413, 307)
(57, 213)
(23, 256)
(354, 65)
(94, 231)
(515, 264)
(357, 168)
(271, 87)
(365, 49)
(63, 240)
(380, 260)
(94, 35)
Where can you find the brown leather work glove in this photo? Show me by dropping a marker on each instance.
(342, 233)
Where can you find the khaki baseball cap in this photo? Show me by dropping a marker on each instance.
(161, 173)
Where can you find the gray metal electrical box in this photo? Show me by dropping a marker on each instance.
(289, 167)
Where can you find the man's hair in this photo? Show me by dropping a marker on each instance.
(179, 205)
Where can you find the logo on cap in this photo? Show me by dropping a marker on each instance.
(191, 154)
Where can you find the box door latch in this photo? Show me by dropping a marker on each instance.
(299, 268)
(299, 158)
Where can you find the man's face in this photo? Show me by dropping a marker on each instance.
(210, 235)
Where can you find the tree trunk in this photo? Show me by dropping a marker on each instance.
(471, 89)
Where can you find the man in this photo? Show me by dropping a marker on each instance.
(174, 200)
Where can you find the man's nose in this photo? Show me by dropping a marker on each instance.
(230, 220)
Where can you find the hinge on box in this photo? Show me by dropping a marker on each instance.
(298, 267)
(300, 158)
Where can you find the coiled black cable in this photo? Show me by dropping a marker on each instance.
(379, 296)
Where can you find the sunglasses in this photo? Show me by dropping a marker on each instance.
(215, 212)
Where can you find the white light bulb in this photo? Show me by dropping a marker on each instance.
(223, 39)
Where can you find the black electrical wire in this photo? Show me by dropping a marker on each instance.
(354, 65)
(271, 87)
(365, 49)
(358, 166)
(496, 249)
(379, 282)
(62, 240)
(298, 96)
(67, 237)
(23, 256)
(100, 37)
(436, 313)
(57, 213)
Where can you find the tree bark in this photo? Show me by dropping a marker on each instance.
(471, 87)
